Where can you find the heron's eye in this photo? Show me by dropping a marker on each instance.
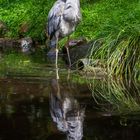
(69, 7)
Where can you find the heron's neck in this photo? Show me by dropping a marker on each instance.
(63, 0)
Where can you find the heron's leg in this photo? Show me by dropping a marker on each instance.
(68, 76)
(67, 48)
(56, 59)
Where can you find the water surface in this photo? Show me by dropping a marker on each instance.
(43, 108)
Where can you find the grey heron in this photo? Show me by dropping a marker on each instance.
(62, 21)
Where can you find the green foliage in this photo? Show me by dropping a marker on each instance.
(121, 55)
(15, 13)
(105, 17)
(100, 17)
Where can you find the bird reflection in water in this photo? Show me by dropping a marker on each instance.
(65, 111)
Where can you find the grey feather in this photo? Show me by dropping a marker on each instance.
(54, 17)
(72, 12)
(63, 18)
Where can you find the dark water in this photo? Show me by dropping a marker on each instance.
(50, 109)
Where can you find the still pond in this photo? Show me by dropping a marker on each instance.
(43, 108)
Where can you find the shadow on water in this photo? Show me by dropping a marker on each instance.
(47, 109)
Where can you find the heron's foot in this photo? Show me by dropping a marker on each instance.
(69, 66)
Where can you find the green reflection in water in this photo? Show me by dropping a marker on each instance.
(116, 96)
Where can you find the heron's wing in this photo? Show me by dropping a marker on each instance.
(54, 17)
(72, 12)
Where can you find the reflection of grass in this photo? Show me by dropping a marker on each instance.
(117, 96)
(19, 63)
